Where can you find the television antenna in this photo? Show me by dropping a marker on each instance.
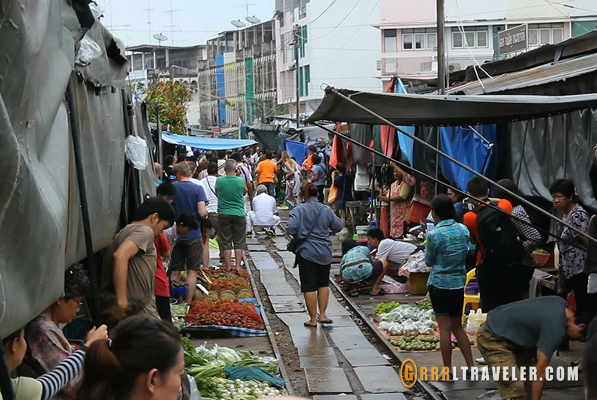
(253, 19)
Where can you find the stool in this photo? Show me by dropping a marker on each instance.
(470, 298)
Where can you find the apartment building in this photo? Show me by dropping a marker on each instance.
(337, 45)
(409, 32)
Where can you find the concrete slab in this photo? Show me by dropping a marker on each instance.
(341, 321)
(364, 357)
(348, 338)
(385, 396)
(336, 309)
(256, 247)
(281, 246)
(263, 260)
(335, 397)
(314, 350)
(311, 344)
(318, 361)
(287, 304)
(279, 239)
(253, 240)
(327, 380)
(380, 379)
(288, 259)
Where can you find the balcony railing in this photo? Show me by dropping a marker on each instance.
(422, 65)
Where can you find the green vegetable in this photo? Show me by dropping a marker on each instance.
(384, 308)
(425, 304)
(206, 371)
(227, 355)
(541, 251)
(180, 310)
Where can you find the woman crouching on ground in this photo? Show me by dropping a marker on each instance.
(143, 360)
(447, 246)
(310, 224)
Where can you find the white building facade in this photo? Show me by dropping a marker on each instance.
(338, 46)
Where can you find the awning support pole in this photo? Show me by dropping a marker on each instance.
(351, 140)
(466, 167)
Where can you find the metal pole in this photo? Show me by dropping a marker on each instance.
(441, 70)
(521, 199)
(298, 77)
(160, 144)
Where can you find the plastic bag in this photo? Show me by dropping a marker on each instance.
(88, 50)
(135, 149)
(96, 10)
(195, 394)
(414, 263)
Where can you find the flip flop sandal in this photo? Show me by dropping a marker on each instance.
(380, 292)
(309, 325)
(326, 321)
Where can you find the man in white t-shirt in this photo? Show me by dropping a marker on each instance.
(209, 186)
(264, 212)
(388, 250)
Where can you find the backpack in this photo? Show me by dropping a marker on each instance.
(501, 242)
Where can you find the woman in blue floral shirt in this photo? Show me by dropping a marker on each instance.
(446, 250)
(572, 246)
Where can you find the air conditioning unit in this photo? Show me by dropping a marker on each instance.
(378, 63)
(453, 67)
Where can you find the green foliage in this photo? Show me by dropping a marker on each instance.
(170, 98)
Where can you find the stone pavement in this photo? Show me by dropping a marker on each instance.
(338, 360)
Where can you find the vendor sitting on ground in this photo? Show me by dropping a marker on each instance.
(264, 212)
(46, 344)
(357, 265)
(511, 329)
(389, 252)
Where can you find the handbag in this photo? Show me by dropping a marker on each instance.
(295, 242)
(332, 194)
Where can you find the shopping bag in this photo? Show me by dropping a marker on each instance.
(333, 193)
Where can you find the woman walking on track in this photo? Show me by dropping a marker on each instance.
(293, 179)
(310, 224)
(447, 246)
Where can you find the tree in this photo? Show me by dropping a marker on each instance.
(170, 98)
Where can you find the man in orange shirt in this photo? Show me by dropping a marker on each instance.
(266, 172)
(493, 279)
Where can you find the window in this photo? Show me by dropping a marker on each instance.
(419, 39)
(540, 34)
(474, 37)
(389, 40)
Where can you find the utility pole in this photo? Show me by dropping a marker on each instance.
(297, 35)
(441, 69)
(441, 48)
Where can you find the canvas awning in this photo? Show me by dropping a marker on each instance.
(439, 110)
(206, 143)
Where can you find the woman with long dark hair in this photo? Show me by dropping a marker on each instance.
(399, 196)
(142, 360)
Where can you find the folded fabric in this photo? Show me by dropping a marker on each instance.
(256, 373)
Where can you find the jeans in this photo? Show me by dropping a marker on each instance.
(271, 188)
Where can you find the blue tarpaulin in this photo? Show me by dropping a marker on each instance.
(206, 143)
(469, 148)
(406, 143)
(298, 150)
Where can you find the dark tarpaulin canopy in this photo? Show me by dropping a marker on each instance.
(438, 110)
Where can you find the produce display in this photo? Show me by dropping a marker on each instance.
(425, 304)
(408, 320)
(384, 308)
(229, 283)
(224, 313)
(410, 343)
(207, 367)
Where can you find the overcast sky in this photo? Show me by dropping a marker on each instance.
(195, 20)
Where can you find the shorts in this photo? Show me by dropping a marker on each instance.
(377, 269)
(232, 229)
(500, 353)
(447, 302)
(313, 276)
(213, 231)
(187, 254)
